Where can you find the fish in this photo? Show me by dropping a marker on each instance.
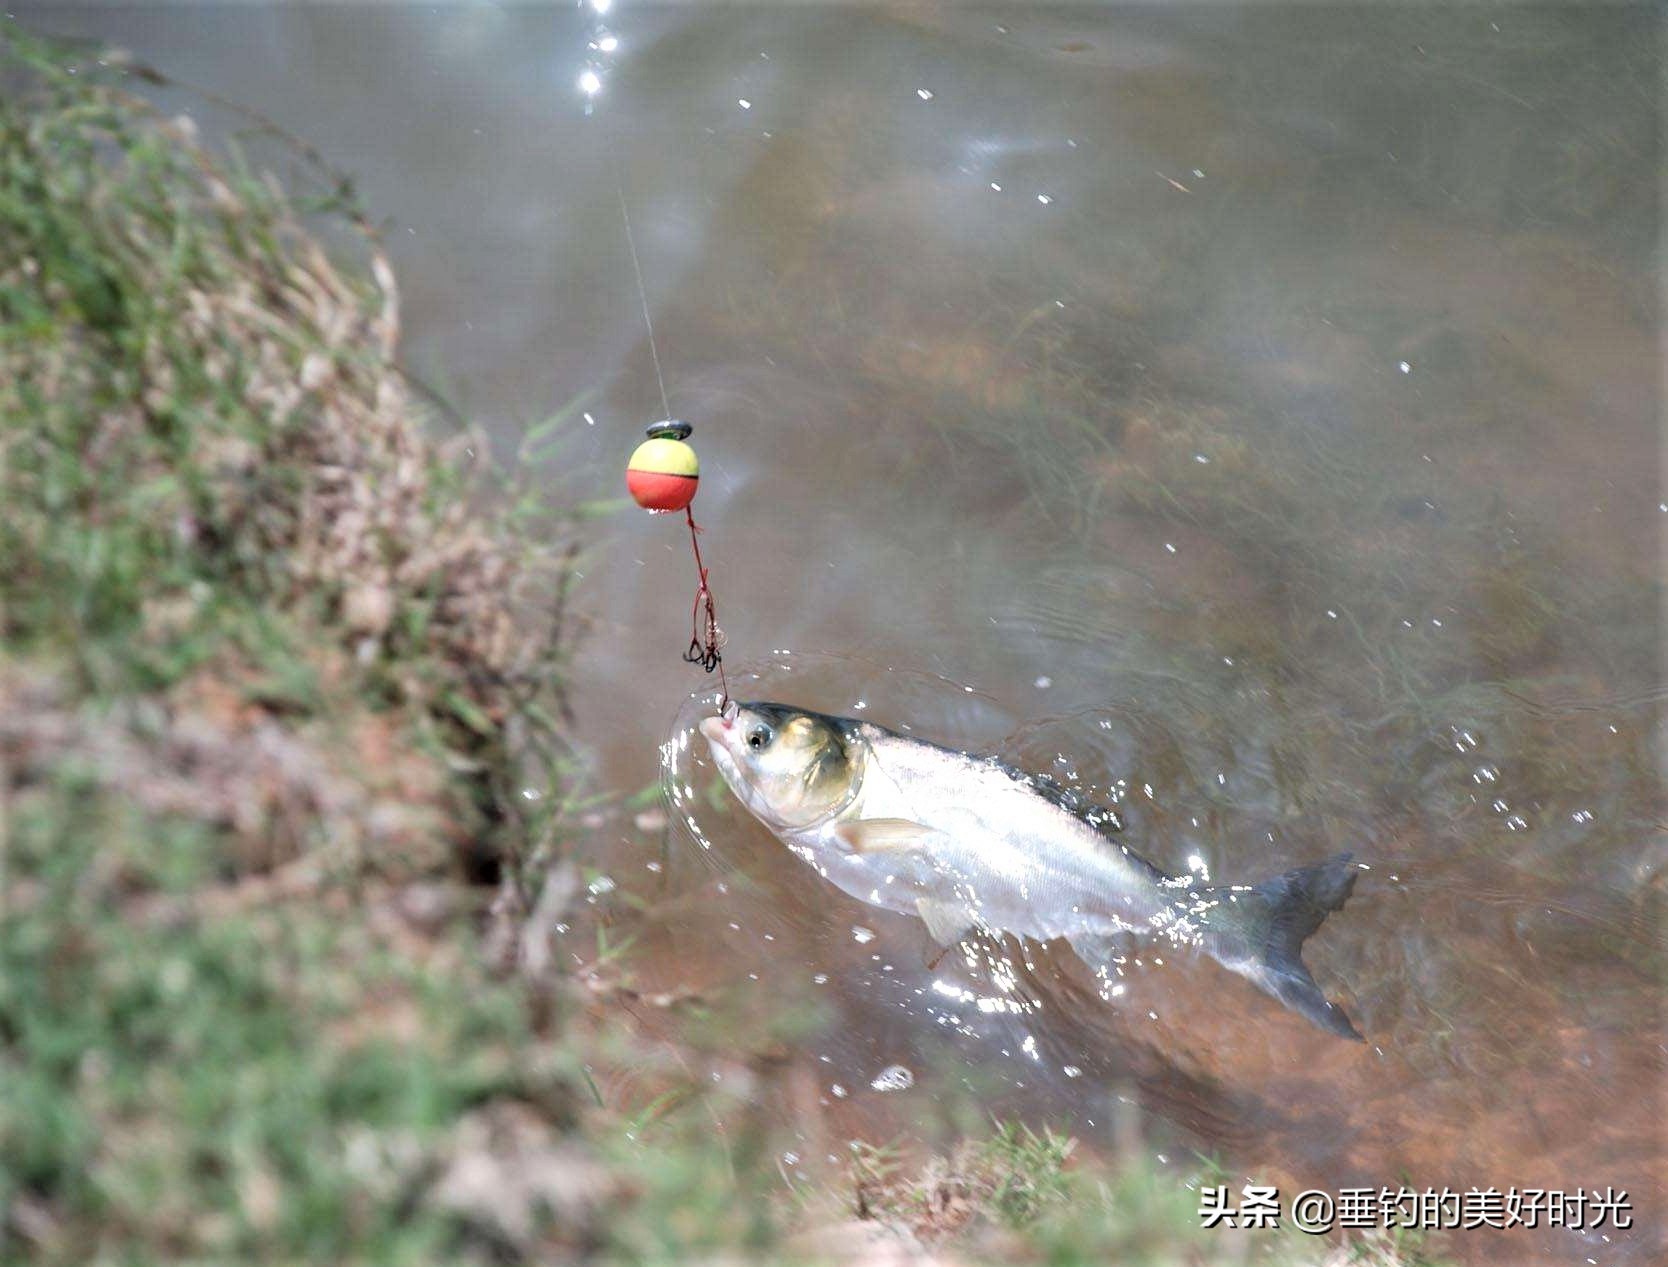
(969, 843)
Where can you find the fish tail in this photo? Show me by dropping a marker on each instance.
(1264, 943)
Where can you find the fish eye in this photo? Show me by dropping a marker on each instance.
(758, 737)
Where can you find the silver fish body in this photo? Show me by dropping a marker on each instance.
(968, 842)
(1014, 860)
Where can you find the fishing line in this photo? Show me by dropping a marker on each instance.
(663, 473)
(664, 480)
(642, 297)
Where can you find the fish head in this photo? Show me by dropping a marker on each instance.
(791, 768)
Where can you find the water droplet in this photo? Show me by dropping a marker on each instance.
(924, 93)
(1516, 823)
(1044, 199)
(893, 1078)
(1071, 1071)
(1486, 774)
(744, 103)
(821, 978)
(1404, 367)
(995, 186)
(861, 935)
(1500, 806)
(1169, 547)
(1201, 459)
(838, 1091)
(1044, 682)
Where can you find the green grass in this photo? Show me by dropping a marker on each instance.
(234, 1087)
(263, 665)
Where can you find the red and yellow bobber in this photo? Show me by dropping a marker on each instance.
(664, 471)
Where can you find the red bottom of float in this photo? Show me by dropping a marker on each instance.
(657, 490)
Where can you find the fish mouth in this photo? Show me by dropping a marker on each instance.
(722, 734)
(723, 737)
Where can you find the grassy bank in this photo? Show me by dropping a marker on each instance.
(281, 790)
(271, 677)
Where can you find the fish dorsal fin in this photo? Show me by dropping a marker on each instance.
(880, 835)
(947, 922)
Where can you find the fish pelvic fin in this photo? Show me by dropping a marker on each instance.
(947, 922)
(1265, 944)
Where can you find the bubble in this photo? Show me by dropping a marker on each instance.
(1071, 1071)
(837, 1091)
(1516, 823)
(1486, 774)
(925, 94)
(861, 935)
(893, 1078)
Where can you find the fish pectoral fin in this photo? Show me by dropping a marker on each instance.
(947, 922)
(879, 835)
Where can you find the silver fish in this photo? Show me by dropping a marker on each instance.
(968, 842)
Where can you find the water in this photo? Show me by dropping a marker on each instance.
(1255, 408)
